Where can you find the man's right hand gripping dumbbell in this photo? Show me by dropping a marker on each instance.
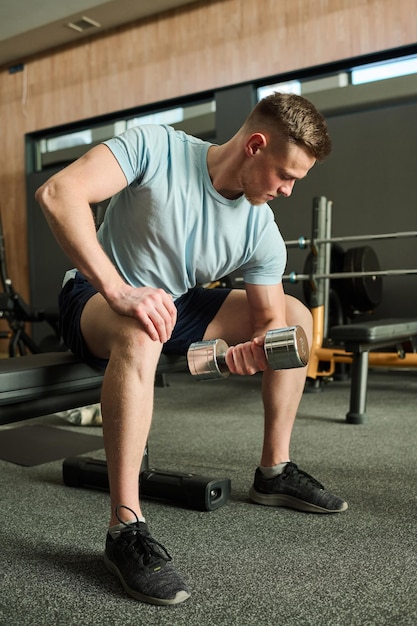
(284, 348)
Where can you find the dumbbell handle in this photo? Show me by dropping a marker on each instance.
(285, 348)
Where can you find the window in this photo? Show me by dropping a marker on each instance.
(62, 148)
(384, 70)
(359, 75)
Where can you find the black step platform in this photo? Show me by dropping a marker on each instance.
(188, 490)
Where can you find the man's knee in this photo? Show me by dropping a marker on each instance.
(298, 314)
(106, 332)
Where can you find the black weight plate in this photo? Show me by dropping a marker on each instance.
(337, 260)
(362, 293)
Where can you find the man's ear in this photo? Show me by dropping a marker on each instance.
(255, 142)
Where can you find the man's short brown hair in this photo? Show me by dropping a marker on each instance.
(296, 118)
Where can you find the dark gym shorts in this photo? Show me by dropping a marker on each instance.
(195, 310)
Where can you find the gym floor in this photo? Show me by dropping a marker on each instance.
(247, 565)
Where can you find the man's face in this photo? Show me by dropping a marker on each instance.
(270, 173)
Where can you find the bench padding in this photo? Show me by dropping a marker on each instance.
(40, 384)
(375, 331)
(33, 376)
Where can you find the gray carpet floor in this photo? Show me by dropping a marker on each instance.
(247, 565)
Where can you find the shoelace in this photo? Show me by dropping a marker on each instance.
(139, 542)
(292, 472)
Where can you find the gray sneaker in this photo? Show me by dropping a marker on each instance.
(295, 489)
(143, 565)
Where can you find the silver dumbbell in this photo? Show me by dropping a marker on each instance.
(285, 348)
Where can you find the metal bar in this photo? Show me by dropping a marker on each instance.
(302, 242)
(293, 277)
(401, 235)
(318, 230)
(327, 250)
(376, 359)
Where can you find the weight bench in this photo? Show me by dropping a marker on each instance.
(360, 339)
(41, 384)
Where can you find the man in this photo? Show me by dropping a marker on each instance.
(183, 212)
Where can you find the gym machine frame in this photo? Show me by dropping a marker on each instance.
(320, 244)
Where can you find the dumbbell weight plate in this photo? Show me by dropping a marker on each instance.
(206, 359)
(286, 348)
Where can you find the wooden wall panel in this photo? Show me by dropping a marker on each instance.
(200, 47)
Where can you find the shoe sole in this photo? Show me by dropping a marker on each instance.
(290, 502)
(181, 596)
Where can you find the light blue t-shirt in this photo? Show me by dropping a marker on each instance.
(170, 228)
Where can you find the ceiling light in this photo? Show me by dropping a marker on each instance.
(85, 23)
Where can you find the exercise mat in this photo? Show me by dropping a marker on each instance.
(37, 444)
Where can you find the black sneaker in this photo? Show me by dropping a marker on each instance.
(143, 565)
(295, 489)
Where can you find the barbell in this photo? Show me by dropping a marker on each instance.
(293, 277)
(302, 242)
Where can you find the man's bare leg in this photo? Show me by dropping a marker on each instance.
(278, 482)
(127, 396)
(281, 390)
(141, 563)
